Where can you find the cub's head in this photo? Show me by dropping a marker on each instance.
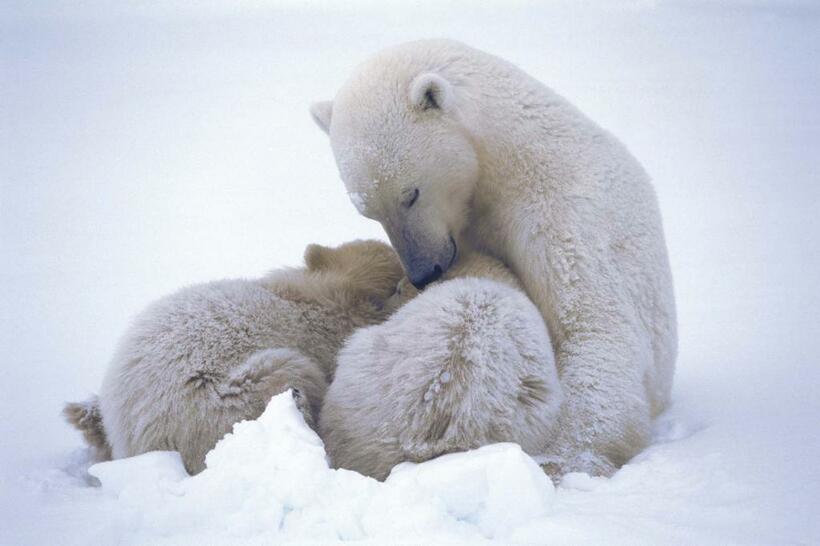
(405, 158)
(365, 268)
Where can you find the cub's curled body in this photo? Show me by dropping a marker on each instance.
(465, 363)
(210, 355)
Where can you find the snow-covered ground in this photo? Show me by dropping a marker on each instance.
(152, 145)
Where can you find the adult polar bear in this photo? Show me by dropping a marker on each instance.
(446, 145)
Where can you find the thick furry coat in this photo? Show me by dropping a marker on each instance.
(466, 363)
(198, 361)
(444, 144)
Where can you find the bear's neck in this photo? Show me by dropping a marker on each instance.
(530, 127)
(546, 172)
(535, 149)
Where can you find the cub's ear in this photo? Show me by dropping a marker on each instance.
(431, 91)
(317, 257)
(321, 113)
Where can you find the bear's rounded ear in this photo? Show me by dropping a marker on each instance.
(429, 91)
(321, 113)
(316, 257)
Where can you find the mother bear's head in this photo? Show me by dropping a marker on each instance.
(405, 157)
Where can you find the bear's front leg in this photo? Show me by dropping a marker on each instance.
(605, 419)
(602, 328)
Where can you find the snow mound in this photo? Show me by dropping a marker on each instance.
(270, 479)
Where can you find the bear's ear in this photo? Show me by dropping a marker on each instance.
(431, 91)
(321, 113)
(316, 257)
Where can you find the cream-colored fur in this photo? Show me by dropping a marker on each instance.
(427, 382)
(200, 360)
(443, 145)
(469, 264)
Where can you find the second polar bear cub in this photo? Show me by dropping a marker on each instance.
(200, 360)
(436, 360)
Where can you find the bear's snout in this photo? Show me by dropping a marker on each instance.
(429, 277)
(421, 273)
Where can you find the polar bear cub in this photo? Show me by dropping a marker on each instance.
(208, 356)
(427, 381)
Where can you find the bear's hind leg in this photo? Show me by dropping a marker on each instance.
(245, 393)
(465, 364)
(494, 381)
(272, 371)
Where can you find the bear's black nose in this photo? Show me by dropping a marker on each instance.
(427, 279)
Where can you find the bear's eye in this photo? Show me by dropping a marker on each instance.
(410, 200)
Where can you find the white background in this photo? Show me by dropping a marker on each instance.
(154, 145)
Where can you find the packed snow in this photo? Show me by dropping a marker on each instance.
(146, 146)
(269, 479)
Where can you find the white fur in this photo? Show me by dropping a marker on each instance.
(431, 91)
(520, 173)
(465, 364)
(198, 361)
